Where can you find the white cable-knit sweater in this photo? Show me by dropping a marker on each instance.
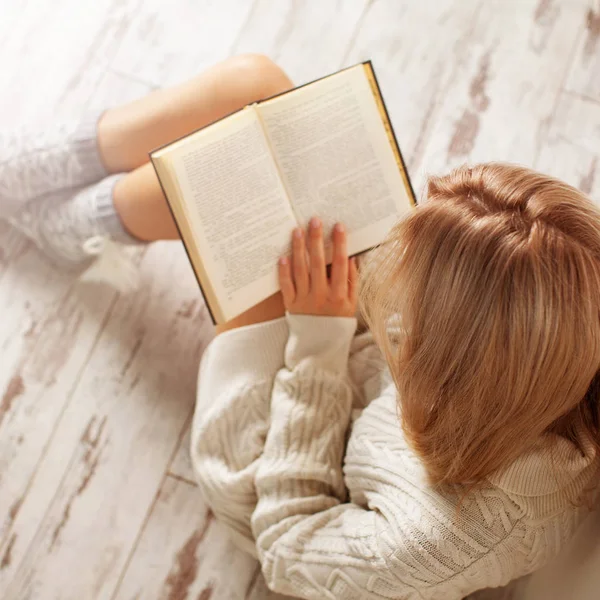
(298, 449)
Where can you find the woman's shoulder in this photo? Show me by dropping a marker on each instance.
(507, 527)
(553, 466)
(536, 491)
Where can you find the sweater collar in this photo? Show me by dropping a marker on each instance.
(552, 465)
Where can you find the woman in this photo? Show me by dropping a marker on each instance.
(474, 464)
(466, 420)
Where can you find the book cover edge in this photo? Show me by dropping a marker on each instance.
(387, 114)
(202, 292)
(163, 146)
(258, 102)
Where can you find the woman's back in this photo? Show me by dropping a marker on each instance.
(453, 541)
(398, 536)
(471, 458)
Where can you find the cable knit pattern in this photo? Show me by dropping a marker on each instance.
(60, 225)
(276, 404)
(38, 161)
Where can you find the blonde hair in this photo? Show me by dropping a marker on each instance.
(486, 303)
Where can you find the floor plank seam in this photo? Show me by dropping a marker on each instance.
(238, 36)
(133, 78)
(552, 114)
(252, 583)
(182, 479)
(70, 393)
(148, 515)
(581, 96)
(355, 33)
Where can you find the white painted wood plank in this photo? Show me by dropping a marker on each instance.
(418, 54)
(44, 345)
(571, 150)
(20, 449)
(106, 460)
(184, 553)
(260, 591)
(469, 81)
(49, 330)
(116, 439)
(585, 74)
(55, 53)
(181, 466)
(308, 39)
(166, 45)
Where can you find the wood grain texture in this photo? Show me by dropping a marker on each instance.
(571, 150)
(166, 46)
(55, 53)
(52, 324)
(420, 55)
(584, 77)
(44, 347)
(308, 39)
(183, 552)
(181, 465)
(116, 440)
(96, 390)
(488, 86)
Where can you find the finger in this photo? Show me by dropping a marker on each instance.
(285, 281)
(352, 280)
(316, 250)
(339, 264)
(300, 268)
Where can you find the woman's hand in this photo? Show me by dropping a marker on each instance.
(304, 283)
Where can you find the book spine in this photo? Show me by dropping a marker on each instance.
(204, 297)
(389, 126)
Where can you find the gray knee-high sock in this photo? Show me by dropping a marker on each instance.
(68, 226)
(45, 160)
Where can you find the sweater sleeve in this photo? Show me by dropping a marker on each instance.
(231, 420)
(232, 413)
(396, 537)
(310, 541)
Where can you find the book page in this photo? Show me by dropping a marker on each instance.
(335, 157)
(237, 207)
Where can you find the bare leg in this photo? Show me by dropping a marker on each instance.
(126, 134)
(267, 310)
(142, 207)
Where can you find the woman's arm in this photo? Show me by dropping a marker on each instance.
(404, 540)
(301, 527)
(231, 420)
(310, 542)
(232, 417)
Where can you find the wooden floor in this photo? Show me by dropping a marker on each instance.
(97, 389)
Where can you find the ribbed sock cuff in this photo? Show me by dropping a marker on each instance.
(85, 146)
(106, 214)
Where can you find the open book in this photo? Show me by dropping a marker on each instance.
(239, 186)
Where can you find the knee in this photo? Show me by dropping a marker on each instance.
(258, 75)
